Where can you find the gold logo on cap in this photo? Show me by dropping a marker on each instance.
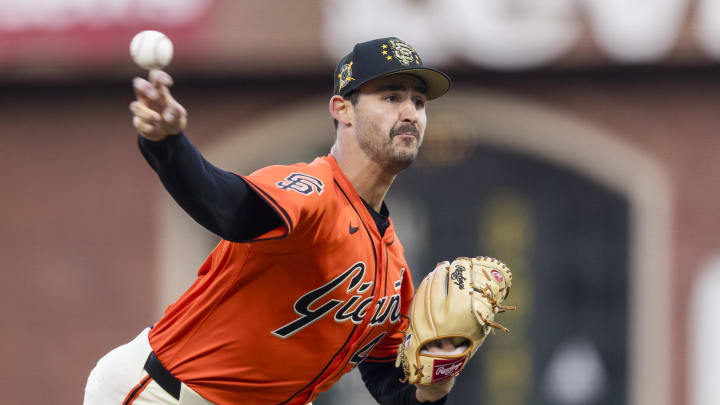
(404, 53)
(345, 75)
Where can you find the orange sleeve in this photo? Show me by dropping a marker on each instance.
(387, 348)
(297, 193)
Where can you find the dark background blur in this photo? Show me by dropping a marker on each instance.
(578, 143)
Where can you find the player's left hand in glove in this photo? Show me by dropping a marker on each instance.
(457, 302)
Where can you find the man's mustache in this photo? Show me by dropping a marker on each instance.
(405, 129)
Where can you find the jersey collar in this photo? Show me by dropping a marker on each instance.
(359, 204)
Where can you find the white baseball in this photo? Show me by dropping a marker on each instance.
(151, 49)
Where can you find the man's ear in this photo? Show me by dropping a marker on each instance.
(340, 110)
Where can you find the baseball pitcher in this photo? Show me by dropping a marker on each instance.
(309, 280)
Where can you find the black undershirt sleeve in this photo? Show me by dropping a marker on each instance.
(220, 201)
(383, 382)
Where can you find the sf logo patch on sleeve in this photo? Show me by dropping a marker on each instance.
(302, 183)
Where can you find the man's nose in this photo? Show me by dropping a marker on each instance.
(408, 113)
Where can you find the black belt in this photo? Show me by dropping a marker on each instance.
(162, 376)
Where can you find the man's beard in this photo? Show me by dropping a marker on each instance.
(381, 149)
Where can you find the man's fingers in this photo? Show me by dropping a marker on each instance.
(143, 127)
(156, 114)
(444, 345)
(447, 345)
(141, 110)
(148, 94)
(143, 88)
(173, 111)
(169, 116)
(160, 78)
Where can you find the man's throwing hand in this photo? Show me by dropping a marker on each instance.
(156, 114)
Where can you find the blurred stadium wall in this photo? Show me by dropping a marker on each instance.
(580, 140)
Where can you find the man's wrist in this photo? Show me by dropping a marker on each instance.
(434, 393)
(429, 395)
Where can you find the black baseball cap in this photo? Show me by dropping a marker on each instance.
(383, 57)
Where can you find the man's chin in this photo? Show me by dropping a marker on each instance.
(403, 158)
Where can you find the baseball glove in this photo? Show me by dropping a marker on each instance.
(457, 301)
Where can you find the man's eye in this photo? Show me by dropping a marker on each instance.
(420, 103)
(391, 98)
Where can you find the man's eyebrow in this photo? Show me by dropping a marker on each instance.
(420, 88)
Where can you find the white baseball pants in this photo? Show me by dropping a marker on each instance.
(120, 378)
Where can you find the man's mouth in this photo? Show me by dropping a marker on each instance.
(405, 131)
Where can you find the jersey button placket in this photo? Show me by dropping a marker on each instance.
(380, 275)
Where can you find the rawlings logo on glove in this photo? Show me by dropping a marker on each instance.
(456, 301)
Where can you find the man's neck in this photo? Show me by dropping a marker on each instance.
(369, 179)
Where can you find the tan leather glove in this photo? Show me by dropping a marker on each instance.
(459, 301)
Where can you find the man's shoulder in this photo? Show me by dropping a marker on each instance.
(305, 178)
(320, 168)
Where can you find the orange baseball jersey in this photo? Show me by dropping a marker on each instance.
(279, 319)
